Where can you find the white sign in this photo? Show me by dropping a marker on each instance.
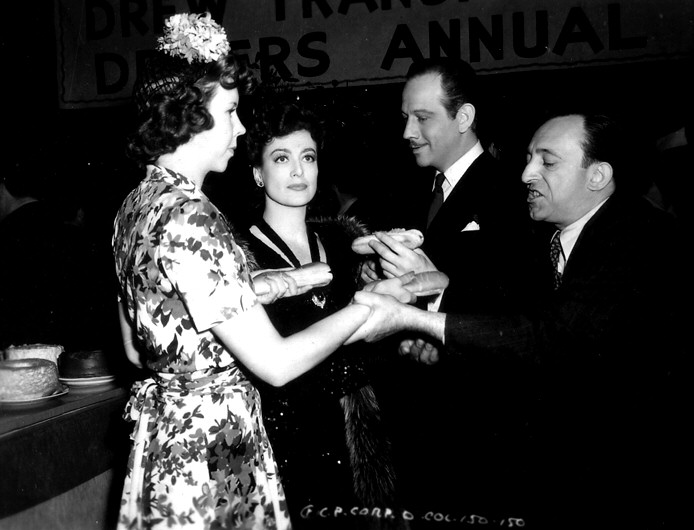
(359, 42)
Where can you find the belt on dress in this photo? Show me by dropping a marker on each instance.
(171, 387)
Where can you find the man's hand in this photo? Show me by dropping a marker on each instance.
(369, 271)
(419, 350)
(387, 316)
(394, 287)
(396, 259)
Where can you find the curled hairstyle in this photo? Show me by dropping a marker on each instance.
(458, 81)
(172, 117)
(276, 120)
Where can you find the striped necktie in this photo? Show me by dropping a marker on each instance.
(555, 252)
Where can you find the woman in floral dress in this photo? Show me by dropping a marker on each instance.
(201, 456)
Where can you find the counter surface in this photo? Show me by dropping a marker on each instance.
(53, 446)
(13, 417)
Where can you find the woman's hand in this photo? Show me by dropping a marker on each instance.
(128, 335)
(387, 316)
(270, 285)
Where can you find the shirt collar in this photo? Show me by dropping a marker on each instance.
(459, 167)
(569, 235)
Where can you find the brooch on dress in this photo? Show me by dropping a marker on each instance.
(318, 300)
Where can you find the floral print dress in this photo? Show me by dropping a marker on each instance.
(201, 456)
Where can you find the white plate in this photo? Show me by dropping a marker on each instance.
(60, 392)
(87, 381)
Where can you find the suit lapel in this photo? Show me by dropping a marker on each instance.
(591, 234)
(459, 208)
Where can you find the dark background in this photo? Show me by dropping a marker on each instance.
(79, 154)
(84, 148)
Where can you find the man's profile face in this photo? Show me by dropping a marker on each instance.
(433, 135)
(556, 179)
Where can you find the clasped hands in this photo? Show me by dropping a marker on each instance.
(388, 299)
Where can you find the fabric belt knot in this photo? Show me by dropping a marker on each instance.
(437, 197)
(162, 386)
(164, 395)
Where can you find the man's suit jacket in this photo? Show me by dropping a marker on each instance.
(480, 238)
(612, 363)
(475, 404)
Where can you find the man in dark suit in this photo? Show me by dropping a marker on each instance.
(610, 440)
(479, 236)
(481, 223)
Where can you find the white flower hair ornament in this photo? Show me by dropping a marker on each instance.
(189, 44)
(193, 37)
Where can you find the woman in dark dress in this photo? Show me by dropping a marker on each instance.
(325, 426)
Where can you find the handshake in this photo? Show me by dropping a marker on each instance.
(398, 267)
(410, 286)
(396, 274)
(419, 280)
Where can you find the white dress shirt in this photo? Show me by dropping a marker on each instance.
(569, 235)
(457, 170)
(453, 175)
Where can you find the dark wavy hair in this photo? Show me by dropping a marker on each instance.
(603, 140)
(277, 119)
(608, 140)
(172, 117)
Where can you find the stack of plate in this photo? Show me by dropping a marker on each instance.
(86, 368)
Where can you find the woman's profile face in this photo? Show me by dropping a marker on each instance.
(289, 169)
(217, 145)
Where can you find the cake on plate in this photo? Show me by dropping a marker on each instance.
(85, 363)
(50, 352)
(25, 379)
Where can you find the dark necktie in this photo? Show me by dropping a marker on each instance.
(555, 251)
(437, 197)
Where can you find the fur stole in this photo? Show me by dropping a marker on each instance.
(368, 444)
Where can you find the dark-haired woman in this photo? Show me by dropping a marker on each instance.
(324, 426)
(201, 456)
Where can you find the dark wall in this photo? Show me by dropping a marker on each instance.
(80, 152)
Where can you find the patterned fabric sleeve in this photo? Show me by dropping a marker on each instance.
(204, 265)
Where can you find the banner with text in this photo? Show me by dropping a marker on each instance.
(100, 43)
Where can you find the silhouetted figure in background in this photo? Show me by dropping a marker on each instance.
(674, 168)
(41, 292)
(351, 171)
